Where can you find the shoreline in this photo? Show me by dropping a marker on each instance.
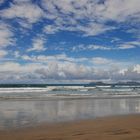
(122, 127)
(70, 98)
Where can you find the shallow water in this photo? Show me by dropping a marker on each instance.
(27, 113)
(55, 92)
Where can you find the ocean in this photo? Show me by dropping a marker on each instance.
(29, 106)
(68, 92)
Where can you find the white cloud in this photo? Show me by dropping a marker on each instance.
(127, 46)
(26, 57)
(70, 15)
(55, 58)
(60, 67)
(20, 1)
(91, 29)
(130, 45)
(100, 60)
(16, 54)
(6, 35)
(88, 17)
(3, 53)
(64, 21)
(2, 1)
(90, 47)
(96, 62)
(126, 10)
(28, 12)
(137, 68)
(97, 47)
(38, 45)
(66, 70)
(94, 29)
(50, 29)
(130, 73)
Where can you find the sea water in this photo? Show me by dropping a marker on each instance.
(23, 107)
(52, 92)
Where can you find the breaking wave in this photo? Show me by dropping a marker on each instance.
(56, 92)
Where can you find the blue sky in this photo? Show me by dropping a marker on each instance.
(52, 41)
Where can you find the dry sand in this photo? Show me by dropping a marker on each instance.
(108, 128)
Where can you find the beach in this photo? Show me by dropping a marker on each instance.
(70, 115)
(69, 70)
(126, 127)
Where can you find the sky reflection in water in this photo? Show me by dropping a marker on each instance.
(26, 113)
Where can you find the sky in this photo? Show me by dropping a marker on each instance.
(69, 41)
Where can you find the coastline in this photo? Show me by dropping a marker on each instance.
(70, 97)
(124, 127)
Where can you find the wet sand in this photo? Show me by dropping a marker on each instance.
(107, 128)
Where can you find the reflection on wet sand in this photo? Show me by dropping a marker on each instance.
(25, 113)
